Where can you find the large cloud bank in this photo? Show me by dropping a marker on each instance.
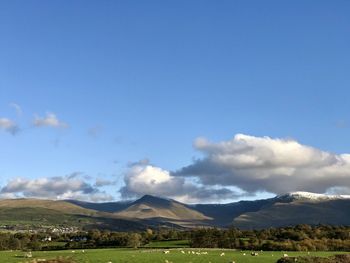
(244, 166)
(267, 164)
(143, 178)
(72, 186)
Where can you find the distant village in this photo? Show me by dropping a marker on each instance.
(39, 229)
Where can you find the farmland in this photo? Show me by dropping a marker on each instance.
(154, 256)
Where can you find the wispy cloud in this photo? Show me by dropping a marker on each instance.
(50, 120)
(9, 126)
(104, 182)
(17, 108)
(341, 124)
(95, 131)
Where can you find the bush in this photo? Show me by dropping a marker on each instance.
(334, 259)
(56, 260)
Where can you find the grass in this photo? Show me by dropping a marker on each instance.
(154, 256)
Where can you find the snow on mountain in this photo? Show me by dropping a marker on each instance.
(311, 196)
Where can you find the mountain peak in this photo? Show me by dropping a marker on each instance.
(154, 200)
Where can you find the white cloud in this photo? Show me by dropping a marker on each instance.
(50, 120)
(8, 126)
(61, 187)
(267, 164)
(143, 178)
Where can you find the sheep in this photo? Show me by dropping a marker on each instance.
(166, 251)
(183, 252)
(285, 255)
(222, 254)
(254, 254)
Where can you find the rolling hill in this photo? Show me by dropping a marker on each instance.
(37, 213)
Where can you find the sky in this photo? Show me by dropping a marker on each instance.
(200, 101)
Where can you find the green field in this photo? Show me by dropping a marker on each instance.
(154, 256)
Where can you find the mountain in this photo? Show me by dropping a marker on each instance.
(298, 208)
(151, 211)
(163, 210)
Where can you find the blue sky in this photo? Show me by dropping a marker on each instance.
(136, 80)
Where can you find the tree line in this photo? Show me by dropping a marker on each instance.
(297, 238)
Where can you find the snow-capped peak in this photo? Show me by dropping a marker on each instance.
(311, 196)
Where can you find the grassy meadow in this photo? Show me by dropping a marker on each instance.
(154, 256)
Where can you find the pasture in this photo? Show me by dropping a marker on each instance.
(155, 256)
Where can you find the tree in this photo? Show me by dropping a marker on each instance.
(134, 240)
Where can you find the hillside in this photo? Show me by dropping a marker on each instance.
(60, 206)
(37, 213)
(223, 214)
(110, 207)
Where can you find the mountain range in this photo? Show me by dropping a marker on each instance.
(152, 212)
